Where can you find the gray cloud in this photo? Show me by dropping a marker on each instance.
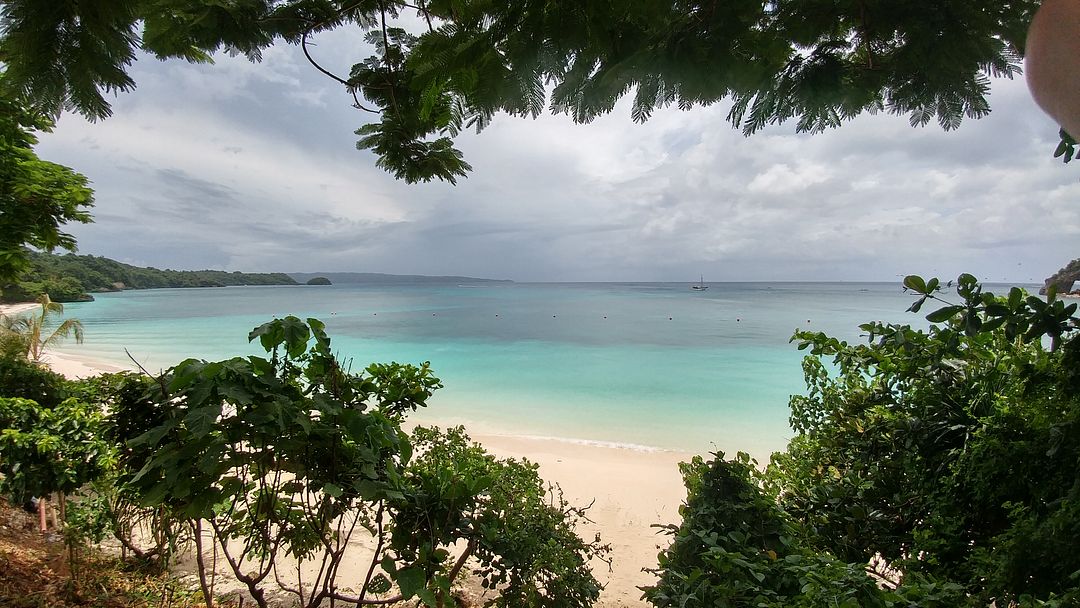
(253, 167)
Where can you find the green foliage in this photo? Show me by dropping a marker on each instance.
(1066, 148)
(73, 275)
(27, 380)
(929, 468)
(290, 454)
(818, 63)
(45, 450)
(59, 289)
(736, 547)
(521, 534)
(950, 453)
(110, 506)
(37, 197)
(36, 332)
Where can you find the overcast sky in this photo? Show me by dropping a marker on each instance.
(253, 167)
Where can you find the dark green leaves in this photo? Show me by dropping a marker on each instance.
(290, 332)
(37, 197)
(943, 314)
(1022, 316)
(938, 443)
(45, 450)
(411, 581)
(817, 63)
(1066, 148)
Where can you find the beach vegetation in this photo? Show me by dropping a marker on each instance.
(59, 289)
(24, 379)
(45, 450)
(277, 461)
(440, 67)
(937, 463)
(35, 333)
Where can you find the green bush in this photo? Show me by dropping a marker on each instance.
(929, 468)
(45, 450)
(950, 452)
(23, 379)
(737, 547)
(291, 453)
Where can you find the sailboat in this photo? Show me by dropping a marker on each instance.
(700, 286)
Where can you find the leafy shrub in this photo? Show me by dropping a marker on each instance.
(943, 463)
(736, 547)
(292, 454)
(521, 534)
(45, 450)
(26, 380)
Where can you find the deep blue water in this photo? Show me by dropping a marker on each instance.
(650, 364)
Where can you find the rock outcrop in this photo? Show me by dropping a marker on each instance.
(1064, 278)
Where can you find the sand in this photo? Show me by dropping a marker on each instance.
(631, 490)
(14, 309)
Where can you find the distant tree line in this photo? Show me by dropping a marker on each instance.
(67, 278)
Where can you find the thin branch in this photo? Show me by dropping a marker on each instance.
(208, 596)
(335, 77)
(461, 560)
(281, 584)
(423, 10)
(160, 379)
(386, 55)
(311, 60)
(375, 556)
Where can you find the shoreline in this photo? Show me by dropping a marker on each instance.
(630, 488)
(16, 309)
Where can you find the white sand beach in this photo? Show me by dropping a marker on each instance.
(14, 309)
(630, 491)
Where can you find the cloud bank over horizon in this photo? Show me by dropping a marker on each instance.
(253, 167)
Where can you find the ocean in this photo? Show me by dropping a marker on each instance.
(638, 365)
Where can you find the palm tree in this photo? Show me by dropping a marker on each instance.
(25, 333)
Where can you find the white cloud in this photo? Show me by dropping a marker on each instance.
(253, 167)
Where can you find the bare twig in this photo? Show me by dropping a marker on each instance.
(208, 596)
(375, 556)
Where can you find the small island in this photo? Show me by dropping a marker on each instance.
(318, 281)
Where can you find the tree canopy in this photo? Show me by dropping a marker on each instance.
(444, 65)
(37, 197)
(929, 468)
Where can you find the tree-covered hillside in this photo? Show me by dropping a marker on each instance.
(69, 277)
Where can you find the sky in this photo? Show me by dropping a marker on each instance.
(253, 167)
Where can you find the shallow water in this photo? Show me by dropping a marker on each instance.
(645, 364)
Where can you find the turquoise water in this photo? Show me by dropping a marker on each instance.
(652, 364)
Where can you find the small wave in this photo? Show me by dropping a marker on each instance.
(615, 445)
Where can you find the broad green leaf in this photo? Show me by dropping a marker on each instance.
(411, 581)
(915, 283)
(943, 314)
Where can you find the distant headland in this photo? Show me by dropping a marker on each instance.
(1063, 279)
(377, 278)
(72, 278)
